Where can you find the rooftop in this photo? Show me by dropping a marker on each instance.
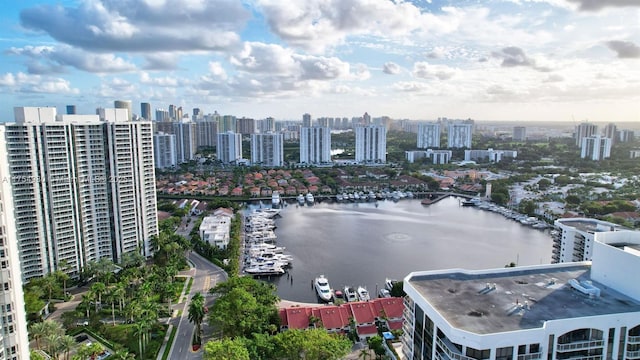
(516, 299)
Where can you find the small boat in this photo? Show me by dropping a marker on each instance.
(275, 199)
(339, 197)
(321, 284)
(384, 293)
(363, 294)
(300, 199)
(310, 199)
(350, 294)
(338, 294)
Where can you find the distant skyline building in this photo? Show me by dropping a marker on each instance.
(439, 157)
(229, 148)
(267, 149)
(207, 132)
(14, 341)
(124, 104)
(428, 135)
(96, 198)
(585, 130)
(165, 151)
(519, 133)
(306, 120)
(71, 109)
(186, 140)
(595, 148)
(162, 115)
(245, 126)
(489, 155)
(266, 125)
(145, 111)
(315, 145)
(459, 135)
(228, 123)
(371, 144)
(610, 131)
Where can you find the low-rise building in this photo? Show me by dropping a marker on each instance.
(216, 230)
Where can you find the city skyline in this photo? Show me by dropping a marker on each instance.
(510, 60)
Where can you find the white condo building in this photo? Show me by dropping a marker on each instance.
(436, 156)
(315, 145)
(490, 155)
(581, 310)
(207, 131)
(229, 148)
(573, 238)
(267, 149)
(164, 150)
(585, 130)
(371, 144)
(595, 148)
(519, 133)
(14, 342)
(459, 135)
(428, 135)
(186, 140)
(83, 187)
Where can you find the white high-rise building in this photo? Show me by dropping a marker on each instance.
(229, 148)
(267, 149)
(459, 135)
(164, 150)
(573, 240)
(83, 187)
(371, 144)
(14, 342)
(186, 140)
(315, 145)
(207, 131)
(576, 310)
(585, 130)
(428, 135)
(595, 148)
(306, 120)
(519, 133)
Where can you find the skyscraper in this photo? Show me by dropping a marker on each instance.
(595, 148)
(245, 126)
(428, 135)
(267, 149)
(315, 145)
(207, 132)
(186, 140)
(14, 343)
(83, 187)
(585, 130)
(371, 144)
(164, 150)
(306, 120)
(519, 133)
(124, 104)
(71, 109)
(145, 111)
(229, 148)
(459, 135)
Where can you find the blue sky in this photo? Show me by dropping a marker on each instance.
(542, 60)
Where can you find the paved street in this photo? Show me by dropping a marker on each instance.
(205, 276)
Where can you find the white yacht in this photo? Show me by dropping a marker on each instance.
(350, 294)
(363, 294)
(275, 199)
(264, 270)
(310, 199)
(384, 293)
(322, 287)
(300, 199)
(388, 283)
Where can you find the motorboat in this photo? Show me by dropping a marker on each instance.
(310, 199)
(384, 293)
(275, 199)
(363, 293)
(322, 287)
(300, 199)
(264, 270)
(350, 294)
(339, 197)
(265, 247)
(388, 283)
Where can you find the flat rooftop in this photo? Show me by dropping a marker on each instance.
(522, 299)
(591, 225)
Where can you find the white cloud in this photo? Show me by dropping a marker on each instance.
(391, 68)
(50, 59)
(28, 83)
(425, 70)
(165, 81)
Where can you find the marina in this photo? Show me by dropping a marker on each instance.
(366, 243)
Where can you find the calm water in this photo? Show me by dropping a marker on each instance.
(361, 244)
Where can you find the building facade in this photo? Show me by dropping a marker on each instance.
(14, 342)
(428, 135)
(519, 133)
(437, 156)
(145, 111)
(459, 135)
(585, 130)
(489, 155)
(267, 149)
(83, 187)
(315, 145)
(595, 148)
(371, 144)
(164, 150)
(229, 149)
(207, 132)
(573, 238)
(580, 310)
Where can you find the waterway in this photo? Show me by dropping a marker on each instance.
(364, 243)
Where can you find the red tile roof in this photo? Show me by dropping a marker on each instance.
(332, 317)
(296, 317)
(367, 330)
(363, 312)
(391, 307)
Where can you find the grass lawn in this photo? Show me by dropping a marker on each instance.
(125, 335)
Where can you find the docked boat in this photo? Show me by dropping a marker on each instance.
(310, 199)
(350, 294)
(363, 293)
(264, 270)
(265, 247)
(300, 199)
(275, 199)
(321, 284)
(384, 293)
(339, 197)
(388, 283)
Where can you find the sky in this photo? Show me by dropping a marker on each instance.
(498, 60)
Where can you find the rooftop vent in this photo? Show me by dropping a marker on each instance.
(586, 287)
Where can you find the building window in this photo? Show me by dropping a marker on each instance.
(505, 353)
(534, 348)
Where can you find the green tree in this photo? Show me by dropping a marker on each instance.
(197, 314)
(98, 288)
(226, 349)
(312, 344)
(375, 344)
(237, 314)
(67, 344)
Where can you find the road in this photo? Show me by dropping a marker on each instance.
(205, 276)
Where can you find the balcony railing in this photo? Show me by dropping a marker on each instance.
(590, 344)
(633, 354)
(532, 356)
(451, 353)
(633, 340)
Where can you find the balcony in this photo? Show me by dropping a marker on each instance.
(451, 351)
(532, 356)
(633, 355)
(632, 340)
(580, 345)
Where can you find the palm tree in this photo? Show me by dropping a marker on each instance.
(111, 297)
(53, 344)
(196, 313)
(50, 283)
(38, 331)
(99, 289)
(87, 298)
(119, 293)
(138, 330)
(67, 343)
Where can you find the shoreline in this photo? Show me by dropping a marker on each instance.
(283, 304)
